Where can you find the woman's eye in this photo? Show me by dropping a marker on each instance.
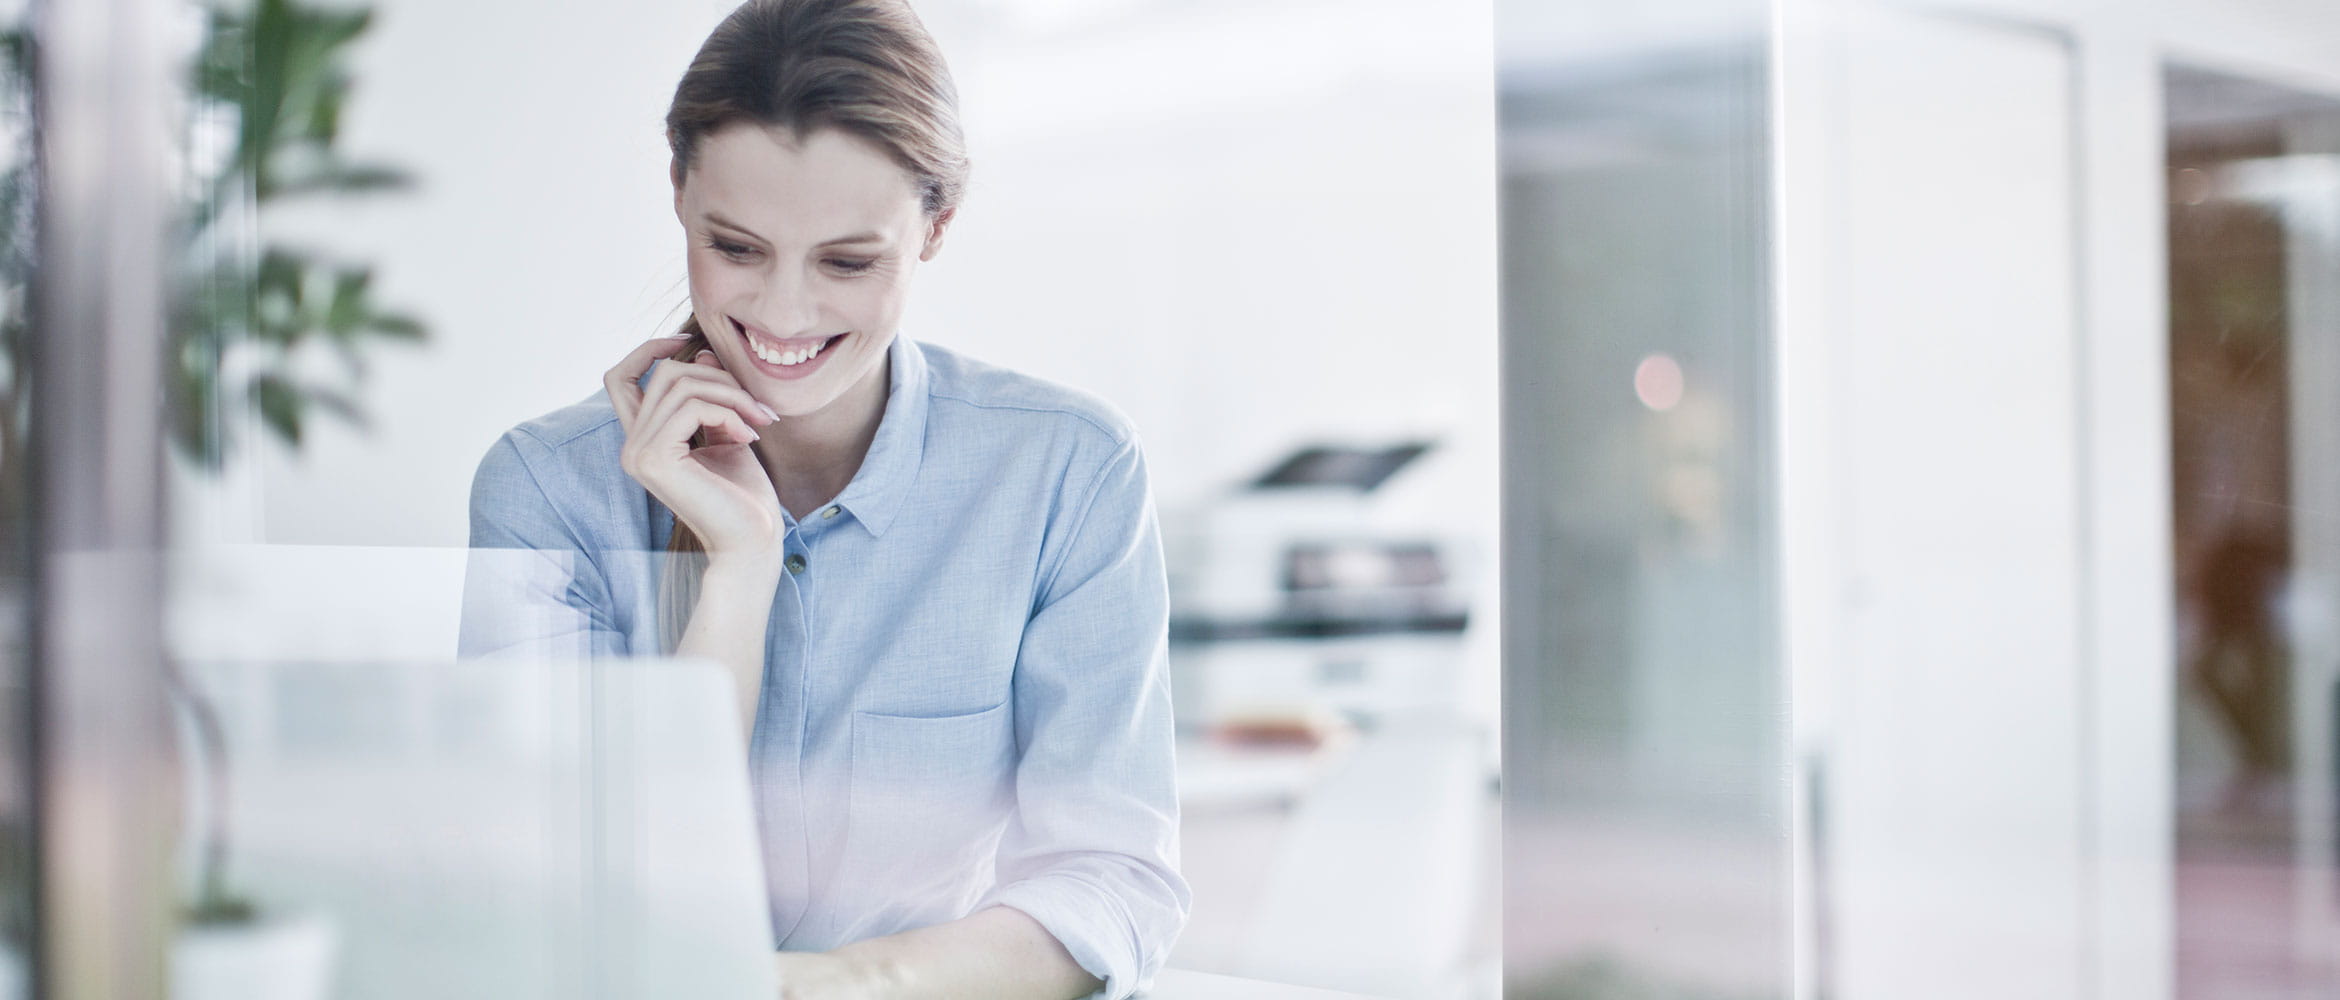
(734, 251)
(852, 266)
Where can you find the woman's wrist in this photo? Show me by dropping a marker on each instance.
(874, 970)
(848, 973)
(758, 566)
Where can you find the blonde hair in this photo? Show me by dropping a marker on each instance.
(865, 67)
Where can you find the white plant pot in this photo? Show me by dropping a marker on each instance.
(285, 958)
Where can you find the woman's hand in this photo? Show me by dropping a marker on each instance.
(995, 953)
(721, 491)
(806, 975)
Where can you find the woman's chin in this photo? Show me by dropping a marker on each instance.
(792, 400)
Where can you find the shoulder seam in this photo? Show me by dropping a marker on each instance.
(564, 442)
(1088, 504)
(1117, 437)
(528, 468)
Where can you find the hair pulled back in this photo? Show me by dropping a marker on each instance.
(864, 67)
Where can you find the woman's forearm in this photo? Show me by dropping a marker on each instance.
(997, 952)
(727, 625)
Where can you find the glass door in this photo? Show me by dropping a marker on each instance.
(2254, 348)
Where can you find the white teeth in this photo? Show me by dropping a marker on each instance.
(782, 357)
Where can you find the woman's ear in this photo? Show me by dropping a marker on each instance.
(674, 173)
(935, 228)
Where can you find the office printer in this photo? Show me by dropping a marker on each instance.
(1300, 601)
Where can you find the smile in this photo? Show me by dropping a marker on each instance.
(780, 357)
(787, 357)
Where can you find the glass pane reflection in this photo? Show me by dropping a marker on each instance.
(1645, 830)
(17, 199)
(2254, 341)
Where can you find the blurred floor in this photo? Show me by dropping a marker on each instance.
(1634, 907)
(2240, 911)
(1692, 910)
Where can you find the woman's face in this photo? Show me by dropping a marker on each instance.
(801, 251)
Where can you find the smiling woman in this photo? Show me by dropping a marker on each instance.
(937, 583)
(846, 234)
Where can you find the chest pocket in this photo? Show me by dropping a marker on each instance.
(929, 795)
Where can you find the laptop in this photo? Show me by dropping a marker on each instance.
(493, 828)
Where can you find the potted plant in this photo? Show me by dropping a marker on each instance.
(266, 89)
(273, 74)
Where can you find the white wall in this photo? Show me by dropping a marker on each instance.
(1944, 425)
(537, 247)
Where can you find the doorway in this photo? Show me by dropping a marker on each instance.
(2254, 354)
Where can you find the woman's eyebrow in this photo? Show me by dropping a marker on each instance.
(863, 237)
(866, 236)
(718, 219)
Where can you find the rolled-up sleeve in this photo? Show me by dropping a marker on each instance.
(530, 589)
(1091, 850)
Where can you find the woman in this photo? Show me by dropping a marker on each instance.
(937, 583)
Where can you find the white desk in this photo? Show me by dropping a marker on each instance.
(1183, 984)
(1215, 775)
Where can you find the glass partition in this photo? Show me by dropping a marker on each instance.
(17, 250)
(629, 538)
(1646, 835)
(2253, 210)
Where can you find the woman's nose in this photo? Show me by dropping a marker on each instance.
(789, 306)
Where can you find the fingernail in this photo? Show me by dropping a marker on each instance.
(770, 415)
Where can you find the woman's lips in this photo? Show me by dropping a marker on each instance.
(799, 370)
(755, 334)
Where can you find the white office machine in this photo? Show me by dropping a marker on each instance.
(1299, 593)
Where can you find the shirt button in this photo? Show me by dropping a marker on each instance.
(795, 564)
(829, 513)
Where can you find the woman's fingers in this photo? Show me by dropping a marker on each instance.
(702, 367)
(756, 413)
(723, 493)
(692, 416)
(624, 395)
(674, 384)
(662, 437)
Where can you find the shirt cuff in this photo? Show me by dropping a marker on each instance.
(1090, 922)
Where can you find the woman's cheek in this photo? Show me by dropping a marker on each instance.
(711, 286)
(694, 276)
(877, 305)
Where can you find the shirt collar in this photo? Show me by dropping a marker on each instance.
(882, 483)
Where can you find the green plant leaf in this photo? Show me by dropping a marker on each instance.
(280, 71)
(340, 405)
(397, 327)
(346, 313)
(341, 179)
(280, 406)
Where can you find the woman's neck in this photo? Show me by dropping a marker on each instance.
(812, 458)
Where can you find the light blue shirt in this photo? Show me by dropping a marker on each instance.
(965, 701)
